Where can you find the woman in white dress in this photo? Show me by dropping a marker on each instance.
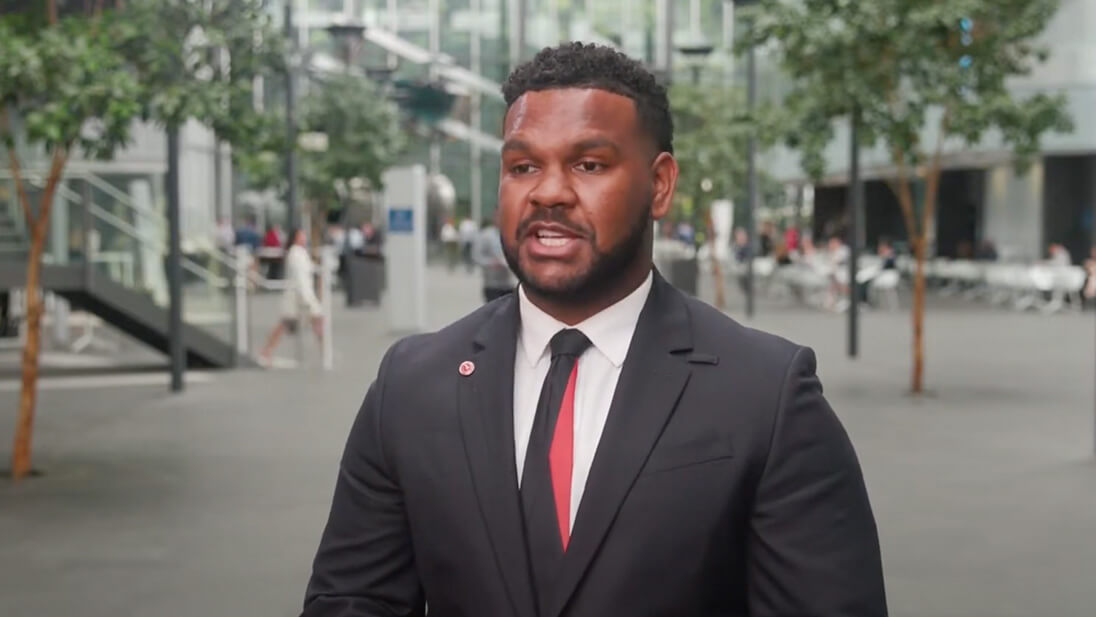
(298, 297)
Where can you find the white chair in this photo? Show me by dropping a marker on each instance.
(885, 285)
(1066, 283)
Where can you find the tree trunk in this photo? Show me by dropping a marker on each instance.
(28, 393)
(917, 312)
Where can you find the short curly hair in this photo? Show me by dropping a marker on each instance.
(587, 65)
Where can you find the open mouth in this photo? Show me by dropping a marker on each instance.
(552, 241)
(553, 238)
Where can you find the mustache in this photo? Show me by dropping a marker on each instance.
(550, 215)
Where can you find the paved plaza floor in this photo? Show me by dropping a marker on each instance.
(211, 503)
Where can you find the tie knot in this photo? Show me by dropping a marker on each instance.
(569, 342)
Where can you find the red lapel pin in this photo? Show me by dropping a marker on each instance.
(466, 368)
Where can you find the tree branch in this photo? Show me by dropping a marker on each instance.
(16, 173)
(901, 187)
(56, 166)
(51, 11)
(20, 189)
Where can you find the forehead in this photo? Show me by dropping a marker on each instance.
(549, 115)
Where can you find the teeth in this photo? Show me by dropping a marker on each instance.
(553, 241)
(549, 234)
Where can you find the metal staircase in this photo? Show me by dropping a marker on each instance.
(13, 244)
(108, 260)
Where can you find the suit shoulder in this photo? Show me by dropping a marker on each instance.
(422, 350)
(717, 333)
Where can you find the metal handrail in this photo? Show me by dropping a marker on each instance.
(125, 200)
(131, 231)
(119, 196)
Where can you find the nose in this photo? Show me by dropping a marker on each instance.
(553, 189)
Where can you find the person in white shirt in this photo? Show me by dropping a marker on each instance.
(1059, 256)
(468, 232)
(450, 241)
(298, 297)
(598, 443)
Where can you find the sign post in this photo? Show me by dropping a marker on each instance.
(405, 247)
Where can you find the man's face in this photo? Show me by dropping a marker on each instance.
(580, 183)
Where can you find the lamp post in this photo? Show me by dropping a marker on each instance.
(291, 206)
(697, 51)
(856, 223)
(751, 161)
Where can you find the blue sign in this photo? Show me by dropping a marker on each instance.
(401, 220)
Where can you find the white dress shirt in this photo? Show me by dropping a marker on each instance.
(599, 368)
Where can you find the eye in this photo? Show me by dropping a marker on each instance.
(590, 166)
(522, 168)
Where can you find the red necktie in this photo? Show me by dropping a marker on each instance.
(546, 479)
(561, 457)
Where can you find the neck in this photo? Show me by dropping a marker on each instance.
(572, 313)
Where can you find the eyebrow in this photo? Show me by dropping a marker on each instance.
(515, 144)
(596, 142)
(586, 144)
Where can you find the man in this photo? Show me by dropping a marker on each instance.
(468, 232)
(491, 258)
(596, 443)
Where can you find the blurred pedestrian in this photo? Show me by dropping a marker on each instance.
(468, 233)
(497, 279)
(987, 251)
(247, 234)
(299, 296)
(450, 242)
(225, 235)
(272, 262)
(1059, 255)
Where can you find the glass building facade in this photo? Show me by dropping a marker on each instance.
(487, 36)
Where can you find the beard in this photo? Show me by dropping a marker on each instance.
(598, 275)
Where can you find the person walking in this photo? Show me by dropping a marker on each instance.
(298, 296)
(490, 257)
(597, 443)
(450, 242)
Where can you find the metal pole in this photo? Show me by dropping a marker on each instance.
(856, 206)
(292, 217)
(476, 174)
(664, 39)
(394, 26)
(435, 51)
(517, 32)
(88, 223)
(751, 180)
(728, 38)
(239, 282)
(176, 350)
(327, 343)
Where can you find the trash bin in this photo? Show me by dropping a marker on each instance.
(364, 279)
(684, 274)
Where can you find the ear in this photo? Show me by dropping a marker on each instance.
(664, 170)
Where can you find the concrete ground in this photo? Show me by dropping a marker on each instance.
(211, 503)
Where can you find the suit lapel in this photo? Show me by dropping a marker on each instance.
(486, 406)
(650, 385)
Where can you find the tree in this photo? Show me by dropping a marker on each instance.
(920, 78)
(362, 137)
(712, 127)
(62, 86)
(76, 76)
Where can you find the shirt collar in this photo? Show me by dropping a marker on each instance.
(610, 331)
